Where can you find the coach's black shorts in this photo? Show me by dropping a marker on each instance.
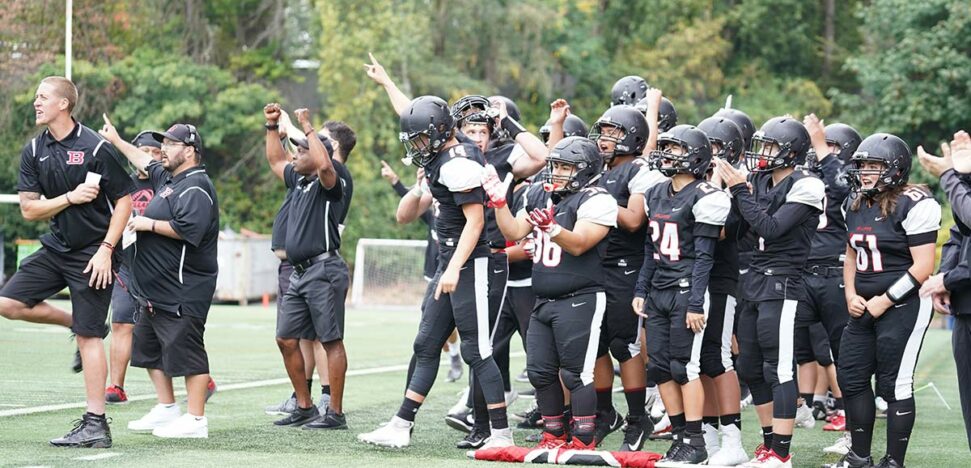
(122, 304)
(315, 302)
(284, 271)
(619, 333)
(170, 342)
(45, 272)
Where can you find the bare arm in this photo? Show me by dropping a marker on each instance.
(325, 167)
(412, 205)
(276, 156)
(513, 228)
(137, 157)
(584, 236)
(632, 217)
(653, 106)
(33, 208)
(375, 71)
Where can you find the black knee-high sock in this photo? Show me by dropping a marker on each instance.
(900, 423)
(408, 409)
(480, 410)
(860, 412)
(605, 401)
(635, 401)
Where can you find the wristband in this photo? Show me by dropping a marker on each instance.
(69, 202)
(108, 245)
(511, 127)
(308, 132)
(555, 230)
(153, 225)
(273, 126)
(901, 289)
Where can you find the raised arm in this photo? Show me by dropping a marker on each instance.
(325, 168)
(376, 72)
(276, 156)
(135, 156)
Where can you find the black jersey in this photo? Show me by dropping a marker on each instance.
(556, 273)
(882, 243)
(829, 243)
(784, 217)
(624, 247)
(522, 271)
(454, 178)
(699, 209)
(724, 273)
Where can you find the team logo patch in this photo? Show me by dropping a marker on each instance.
(166, 192)
(75, 157)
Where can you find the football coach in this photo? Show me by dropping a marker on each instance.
(173, 277)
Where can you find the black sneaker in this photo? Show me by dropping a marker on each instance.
(688, 454)
(605, 424)
(635, 433)
(819, 411)
(852, 460)
(888, 462)
(330, 420)
(90, 432)
(532, 419)
(76, 365)
(475, 439)
(675, 444)
(462, 421)
(299, 417)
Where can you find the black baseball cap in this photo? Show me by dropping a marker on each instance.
(146, 138)
(183, 133)
(303, 143)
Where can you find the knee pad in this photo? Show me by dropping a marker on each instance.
(712, 365)
(571, 380)
(750, 373)
(777, 373)
(761, 393)
(541, 379)
(850, 386)
(679, 372)
(824, 360)
(623, 350)
(658, 373)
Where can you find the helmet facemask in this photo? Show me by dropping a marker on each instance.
(766, 154)
(611, 135)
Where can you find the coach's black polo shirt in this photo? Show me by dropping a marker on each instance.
(179, 275)
(314, 218)
(53, 168)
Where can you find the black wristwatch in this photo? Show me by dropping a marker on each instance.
(274, 126)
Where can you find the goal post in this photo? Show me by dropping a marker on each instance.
(389, 273)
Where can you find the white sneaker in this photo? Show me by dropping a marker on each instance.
(842, 445)
(395, 434)
(323, 404)
(663, 425)
(511, 397)
(657, 410)
(711, 439)
(745, 401)
(770, 460)
(160, 415)
(804, 417)
(731, 453)
(499, 438)
(185, 427)
(881, 403)
(461, 406)
(650, 398)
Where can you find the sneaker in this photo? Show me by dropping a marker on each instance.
(731, 453)
(462, 404)
(550, 441)
(476, 438)
(523, 377)
(186, 426)
(324, 403)
(881, 404)
(819, 411)
(760, 451)
(88, 432)
(511, 397)
(888, 462)
(76, 365)
(649, 402)
(662, 429)
(210, 389)
(605, 424)
(531, 419)
(461, 421)
(746, 397)
(804, 417)
(395, 434)
(115, 394)
(576, 444)
(842, 445)
(852, 460)
(688, 454)
(500, 438)
(455, 368)
(675, 443)
(634, 434)
(836, 423)
(330, 420)
(657, 410)
(288, 406)
(299, 417)
(769, 459)
(159, 416)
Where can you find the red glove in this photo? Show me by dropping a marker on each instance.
(496, 189)
(543, 219)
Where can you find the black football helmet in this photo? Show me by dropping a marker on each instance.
(426, 125)
(844, 136)
(724, 133)
(792, 139)
(883, 148)
(583, 155)
(743, 121)
(695, 157)
(628, 120)
(572, 126)
(628, 90)
(667, 115)
(468, 105)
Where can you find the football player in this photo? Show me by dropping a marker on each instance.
(782, 209)
(892, 228)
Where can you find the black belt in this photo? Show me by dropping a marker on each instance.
(777, 271)
(454, 242)
(823, 270)
(301, 267)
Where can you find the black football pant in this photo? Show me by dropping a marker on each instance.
(825, 303)
(765, 360)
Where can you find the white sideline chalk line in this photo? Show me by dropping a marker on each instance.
(100, 456)
(220, 388)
